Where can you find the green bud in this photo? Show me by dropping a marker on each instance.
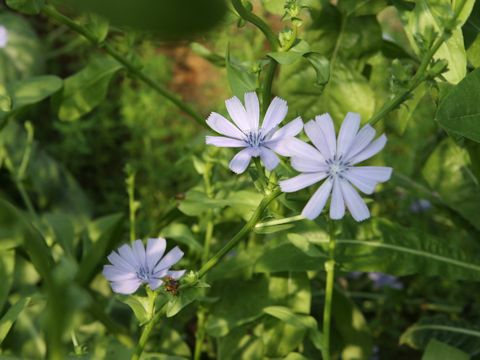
(190, 278)
(438, 67)
(285, 37)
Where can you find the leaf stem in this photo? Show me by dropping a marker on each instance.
(50, 11)
(243, 231)
(327, 310)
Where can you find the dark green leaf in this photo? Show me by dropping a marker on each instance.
(30, 7)
(321, 65)
(7, 264)
(182, 299)
(438, 350)
(459, 112)
(448, 173)
(240, 79)
(10, 316)
(457, 333)
(33, 90)
(86, 89)
(107, 234)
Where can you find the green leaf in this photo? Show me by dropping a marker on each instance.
(366, 7)
(457, 333)
(295, 53)
(23, 56)
(287, 257)
(383, 246)
(438, 350)
(5, 99)
(347, 90)
(302, 321)
(182, 299)
(459, 112)
(109, 229)
(240, 79)
(226, 314)
(183, 235)
(6, 322)
(7, 264)
(98, 26)
(32, 241)
(140, 306)
(30, 7)
(447, 172)
(432, 14)
(33, 90)
(86, 89)
(321, 65)
(356, 339)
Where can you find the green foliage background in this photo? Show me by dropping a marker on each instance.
(75, 124)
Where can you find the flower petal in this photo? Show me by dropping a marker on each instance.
(222, 141)
(126, 252)
(139, 252)
(301, 181)
(295, 147)
(361, 141)
(355, 203)
(238, 113)
(371, 150)
(317, 202)
(222, 126)
(315, 134)
(291, 129)
(155, 283)
(126, 287)
(113, 273)
(172, 257)
(308, 165)
(240, 161)
(378, 174)
(120, 262)
(253, 109)
(269, 159)
(276, 112)
(347, 133)
(176, 274)
(328, 131)
(337, 204)
(155, 251)
(363, 184)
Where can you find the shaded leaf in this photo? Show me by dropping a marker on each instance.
(437, 350)
(7, 320)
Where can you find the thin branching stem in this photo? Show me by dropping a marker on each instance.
(134, 70)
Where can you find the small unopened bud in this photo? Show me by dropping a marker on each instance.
(438, 68)
(285, 37)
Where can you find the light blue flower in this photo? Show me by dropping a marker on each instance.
(245, 131)
(135, 265)
(3, 36)
(334, 159)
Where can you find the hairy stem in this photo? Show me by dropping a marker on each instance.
(51, 12)
(243, 231)
(327, 310)
(421, 74)
(255, 20)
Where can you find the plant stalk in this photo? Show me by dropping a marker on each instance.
(327, 310)
(243, 231)
(50, 11)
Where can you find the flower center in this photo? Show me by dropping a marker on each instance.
(144, 273)
(337, 167)
(255, 139)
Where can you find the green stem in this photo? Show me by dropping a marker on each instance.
(200, 334)
(132, 204)
(261, 173)
(259, 23)
(147, 330)
(268, 83)
(327, 310)
(243, 231)
(280, 221)
(132, 69)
